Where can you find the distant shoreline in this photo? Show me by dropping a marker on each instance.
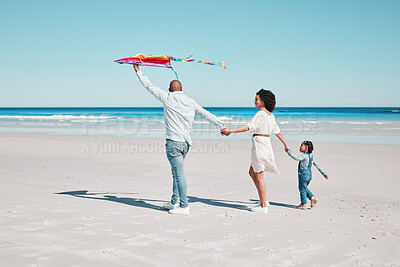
(278, 107)
(366, 125)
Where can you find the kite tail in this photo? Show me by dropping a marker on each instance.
(190, 59)
(222, 64)
(176, 74)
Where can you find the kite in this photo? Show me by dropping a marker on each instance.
(162, 61)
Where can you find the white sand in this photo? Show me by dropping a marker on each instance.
(114, 217)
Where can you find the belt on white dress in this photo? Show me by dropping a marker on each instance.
(266, 135)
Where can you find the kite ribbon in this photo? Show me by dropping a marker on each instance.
(190, 59)
(176, 74)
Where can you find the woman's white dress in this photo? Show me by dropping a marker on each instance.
(262, 155)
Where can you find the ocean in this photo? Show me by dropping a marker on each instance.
(377, 125)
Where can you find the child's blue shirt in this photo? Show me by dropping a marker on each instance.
(304, 161)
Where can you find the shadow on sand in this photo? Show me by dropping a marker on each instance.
(144, 202)
(240, 205)
(290, 206)
(111, 197)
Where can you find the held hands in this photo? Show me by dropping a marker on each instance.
(286, 148)
(136, 67)
(225, 132)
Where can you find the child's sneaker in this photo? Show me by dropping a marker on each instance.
(259, 209)
(180, 211)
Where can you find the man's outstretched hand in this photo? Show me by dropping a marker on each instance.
(136, 67)
(225, 132)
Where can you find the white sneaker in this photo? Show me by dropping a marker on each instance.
(170, 206)
(259, 209)
(180, 211)
(266, 202)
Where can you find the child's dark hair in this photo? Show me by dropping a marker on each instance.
(268, 98)
(309, 145)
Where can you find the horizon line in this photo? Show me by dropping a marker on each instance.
(203, 106)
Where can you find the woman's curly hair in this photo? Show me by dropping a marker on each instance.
(268, 98)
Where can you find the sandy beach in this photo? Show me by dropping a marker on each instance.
(90, 89)
(97, 201)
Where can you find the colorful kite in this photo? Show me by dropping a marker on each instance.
(162, 61)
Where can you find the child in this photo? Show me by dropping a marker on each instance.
(305, 175)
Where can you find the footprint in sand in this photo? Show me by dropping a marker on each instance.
(62, 211)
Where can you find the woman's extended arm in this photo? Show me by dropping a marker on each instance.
(227, 131)
(280, 137)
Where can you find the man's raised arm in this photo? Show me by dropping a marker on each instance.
(209, 116)
(154, 90)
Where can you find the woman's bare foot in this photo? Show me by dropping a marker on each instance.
(302, 207)
(314, 201)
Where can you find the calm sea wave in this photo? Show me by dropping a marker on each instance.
(365, 124)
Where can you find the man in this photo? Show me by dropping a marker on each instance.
(179, 112)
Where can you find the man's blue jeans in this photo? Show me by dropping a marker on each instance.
(176, 153)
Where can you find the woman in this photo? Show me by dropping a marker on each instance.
(262, 155)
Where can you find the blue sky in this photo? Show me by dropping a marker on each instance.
(309, 53)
